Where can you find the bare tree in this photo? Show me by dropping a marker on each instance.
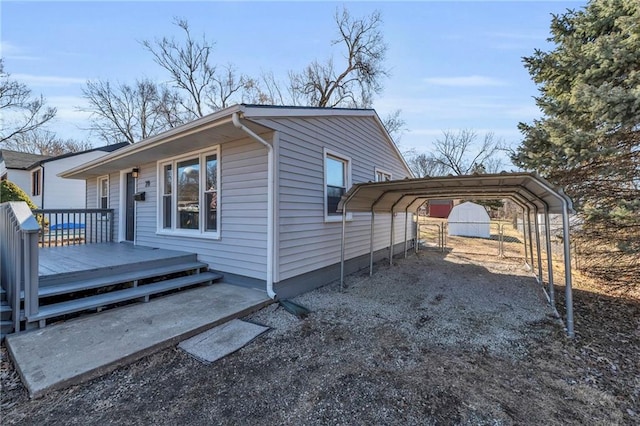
(21, 112)
(44, 142)
(460, 154)
(128, 113)
(354, 82)
(395, 125)
(425, 165)
(193, 73)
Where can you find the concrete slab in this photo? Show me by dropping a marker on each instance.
(81, 349)
(222, 340)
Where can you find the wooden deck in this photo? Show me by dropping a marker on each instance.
(70, 260)
(81, 278)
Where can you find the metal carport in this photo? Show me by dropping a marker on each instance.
(530, 191)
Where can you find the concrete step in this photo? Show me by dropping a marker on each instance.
(81, 349)
(117, 278)
(113, 297)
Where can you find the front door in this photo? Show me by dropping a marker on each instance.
(130, 217)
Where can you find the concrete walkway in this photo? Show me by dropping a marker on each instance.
(81, 349)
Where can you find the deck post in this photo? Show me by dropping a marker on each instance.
(30, 246)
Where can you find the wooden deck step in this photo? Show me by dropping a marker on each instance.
(123, 277)
(135, 262)
(92, 302)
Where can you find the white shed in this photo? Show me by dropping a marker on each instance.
(469, 220)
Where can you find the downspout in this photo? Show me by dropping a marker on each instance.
(42, 187)
(235, 118)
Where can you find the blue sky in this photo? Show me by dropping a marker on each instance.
(454, 65)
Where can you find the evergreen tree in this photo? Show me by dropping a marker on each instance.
(588, 139)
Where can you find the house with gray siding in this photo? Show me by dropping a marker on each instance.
(254, 191)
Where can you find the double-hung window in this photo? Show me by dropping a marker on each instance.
(189, 194)
(337, 173)
(103, 193)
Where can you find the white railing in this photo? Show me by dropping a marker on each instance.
(19, 258)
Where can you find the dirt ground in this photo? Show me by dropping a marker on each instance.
(438, 338)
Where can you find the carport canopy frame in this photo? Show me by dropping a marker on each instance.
(530, 191)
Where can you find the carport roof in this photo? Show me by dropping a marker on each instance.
(408, 194)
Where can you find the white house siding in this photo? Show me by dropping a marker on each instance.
(60, 193)
(305, 242)
(241, 248)
(22, 178)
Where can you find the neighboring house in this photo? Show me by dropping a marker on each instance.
(469, 220)
(38, 176)
(254, 190)
(440, 208)
(16, 166)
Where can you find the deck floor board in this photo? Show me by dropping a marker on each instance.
(70, 259)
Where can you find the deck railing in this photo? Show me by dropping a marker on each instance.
(64, 227)
(19, 256)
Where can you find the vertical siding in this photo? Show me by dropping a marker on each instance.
(241, 248)
(305, 241)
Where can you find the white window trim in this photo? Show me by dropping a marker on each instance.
(377, 170)
(189, 233)
(328, 152)
(99, 181)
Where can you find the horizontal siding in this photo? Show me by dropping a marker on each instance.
(305, 241)
(241, 248)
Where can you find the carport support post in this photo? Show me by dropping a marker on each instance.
(567, 269)
(524, 236)
(549, 260)
(538, 250)
(406, 223)
(373, 216)
(391, 240)
(530, 237)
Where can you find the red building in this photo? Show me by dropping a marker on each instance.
(440, 208)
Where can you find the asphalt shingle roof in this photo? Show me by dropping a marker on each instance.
(20, 160)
